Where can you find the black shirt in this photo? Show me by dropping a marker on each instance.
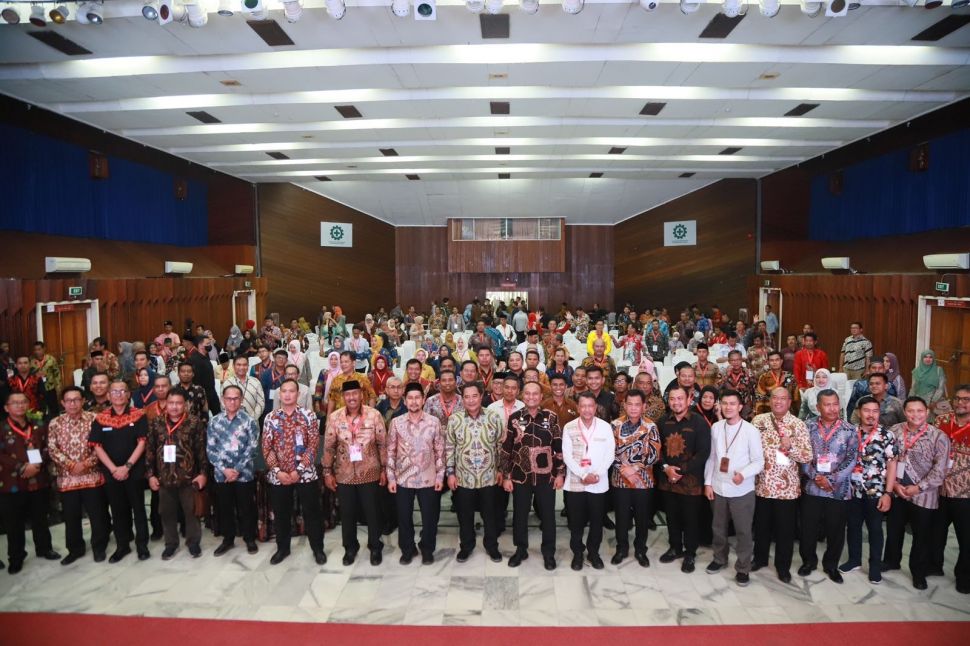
(118, 435)
(606, 407)
(686, 444)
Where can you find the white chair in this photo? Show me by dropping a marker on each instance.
(684, 355)
(78, 377)
(317, 363)
(665, 374)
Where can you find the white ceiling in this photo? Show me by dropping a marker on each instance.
(575, 83)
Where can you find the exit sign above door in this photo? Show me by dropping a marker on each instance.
(75, 291)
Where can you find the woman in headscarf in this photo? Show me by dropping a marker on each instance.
(143, 393)
(692, 344)
(809, 408)
(126, 360)
(894, 376)
(380, 374)
(449, 341)
(234, 342)
(427, 372)
(444, 352)
(338, 344)
(416, 332)
(331, 371)
(429, 343)
(707, 405)
(461, 354)
(929, 380)
(294, 354)
(248, 346)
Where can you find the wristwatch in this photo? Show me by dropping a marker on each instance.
(129, 465)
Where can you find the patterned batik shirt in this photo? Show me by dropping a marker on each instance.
(923, 456)
(48, 370)
(14, 457)
(290, 444)
(415, 452)
(232, 444)
(67, 443)
(707, 375)
(957, 482)
(780, 480)
(768, 382)
(188, 436)
(532, 448)
(744, 382)
(336, 389)
(638, 446)
(195, 399)
(838, 443)
(472, 448)
(436, 406)
(686, 443)
(877, 448)
(367, 431)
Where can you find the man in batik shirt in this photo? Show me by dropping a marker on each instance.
(775, 378)
(739, 379)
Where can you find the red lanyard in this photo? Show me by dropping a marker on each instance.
(355, 426)
(448, 409)
(24, 433)
(835, 427)
(909, 445)
(864, 443)
(777, 379)
(582, 431)
(957, 434)
(172, 429)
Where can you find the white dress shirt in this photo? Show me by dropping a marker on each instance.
(741, 443)
(597, 445)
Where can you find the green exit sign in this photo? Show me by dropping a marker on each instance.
(75, 291)
(943, 287)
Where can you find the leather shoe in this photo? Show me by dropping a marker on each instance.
(376, 557)
(119, 554)
(143, 554)
(168, 553)
(516, 559)
(784, 577)
(15, 566)
(407, 557)
(688, 565)
(713, 567)
(757, 565)
(742, 578)
(835, 575)
(99, 557)
(495, 555)
(349, 558)
(670, 556)
(805, 570)
(463, 555)
(70, 558)
(618, 558)
(223, 548)
(596, 561)
(251, 547)
(51, 555)
(577, 563)
(919, 583)
(886, 566)
(278, 557)
(427, 558)
(643, 560)
(549, 562)
(320, 557)
(195, 550)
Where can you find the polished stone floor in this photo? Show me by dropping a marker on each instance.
(478, 592)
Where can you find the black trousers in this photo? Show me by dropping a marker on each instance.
(501, 507)
(95, 503)
(635, 505)
(281, 497)
(15, 509)
(774, 520)
(466, 502)
(429, 501)
(830, 516)
(545, 497)
(126, 498)
(236, 500)
(153, 516)
(920, 519)
(586, 509)
(360, 501)
(957, 512)
(683, 521)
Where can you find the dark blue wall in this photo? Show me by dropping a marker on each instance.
(47, 189)
(882, 197)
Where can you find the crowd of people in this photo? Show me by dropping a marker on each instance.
(493, 402)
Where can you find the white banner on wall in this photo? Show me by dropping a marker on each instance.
(336, 234)
(680, 234)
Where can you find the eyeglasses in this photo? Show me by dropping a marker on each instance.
(118, 391)
(73, 400)
(961, 399)
(230, 399)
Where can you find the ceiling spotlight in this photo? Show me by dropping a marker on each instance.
(225, 8)
(401, 8)
(90, 13)
(732, 8)
(169, 11)
(933, 4)
(150, 11)
(37, 16)
(425, 10)
(196, 14)
(687, 8)
(836, 8)
(648, 5)
(493, 6)
(811, 8)
(531, 7)
(769, 8)
(475, 6)
(572, 7)
(336, 9)
(10, 15)
(956, 4)
(855, 4)
(293, 10)
(255, 8)
(59, 14)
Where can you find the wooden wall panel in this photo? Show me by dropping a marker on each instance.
(130, 309)
(232, 212)
(714, 272)
(24, 255)
(491, 257)
(303, 275)
(423, 274)
(885, 304)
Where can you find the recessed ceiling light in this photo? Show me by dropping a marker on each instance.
(230, 83)
(307, 137)
(497, 76)
(595, 175)
(499, 107)
(768, 76)
(501, 132)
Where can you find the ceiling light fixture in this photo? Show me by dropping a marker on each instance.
(687, 8)
(336, 9)
(90, 13)
(150, 10)
(475, 6)
(493, 6)
(530, 7)
(170, 11)
(401, 8)
(855, 4)
(11, 15)
(836, 8)
(733, 8)
(957, 4)
(811, 8)
(225, 8)
(256, 8)
(425, 10)
(572, 7)
(59, 14)
(37, 16)
(769, 8)
(648, 5)
(933, 4)
(196, 14)
(293, 10)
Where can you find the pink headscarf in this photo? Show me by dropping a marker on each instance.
(295, 355)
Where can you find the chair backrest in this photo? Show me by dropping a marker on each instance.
(665, 374)
(78, 377)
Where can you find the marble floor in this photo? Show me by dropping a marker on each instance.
(478, 592)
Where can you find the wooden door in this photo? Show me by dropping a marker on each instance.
(66, 337)
(240, 305)
(950, 339)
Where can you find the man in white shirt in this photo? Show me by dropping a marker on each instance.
(305, 397)
(725, 349)
(532, 342)
(254, 399)
(589, 450)
(520, 321)
(736, 457)
(361, 349)
(506, 330)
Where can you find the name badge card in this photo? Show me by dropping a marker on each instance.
(781, 459)
(857, 475)
(655, 347)
(585, 462)
(824, 464)
(809, 375)
(725, 462)
(900, 470)
(356, 452)
(169, 453)
(33, 456)
(299, 444)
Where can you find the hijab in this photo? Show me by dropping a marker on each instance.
(126, 359)
(810, 396)
(294, 354)
(926, 378)
(338, 344)
(143, 395)
(709, 415)
(331, 372)
(380, 375)
(377, 345)
(235, 339)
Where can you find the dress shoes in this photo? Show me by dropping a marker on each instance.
(494, 555)
(757, 565)
(50, 555)
(714, 566)
(549, 562)
(642, 559)
(886, 566)
(70, 558)
(168, 553)
(919, 583)
(427, 558)
(407, 557)
(376, 557)
(15, 567)
(143, 554)
(320, 557)
(618, 558)
(99, 557)
(577, 562)
(251, 547)
(688, 565)
(835, 575)
(119, 554)
(463, 555)
(278, 557)
(349, 558)
(596, 561)
(805, 570)
(223, 548)
(670, 556)
(516, 559)
(784, 577)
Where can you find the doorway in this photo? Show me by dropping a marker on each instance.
(67, 328)
(505, 296)
(772, 297)
(243, 307)
(943, 325)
